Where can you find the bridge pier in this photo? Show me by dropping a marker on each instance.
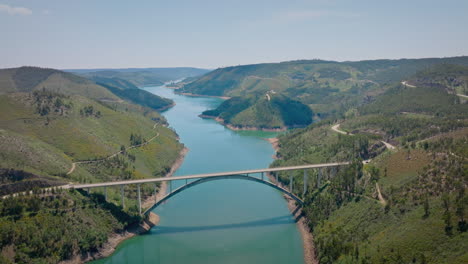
(139, 198)
(276, 176)
(170, 186)
(122, 194)
(155, 193)
(262, 176)
(305, 183)
(105, 193)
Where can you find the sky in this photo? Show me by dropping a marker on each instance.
(72, 34)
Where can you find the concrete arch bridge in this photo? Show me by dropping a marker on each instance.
(257, 176)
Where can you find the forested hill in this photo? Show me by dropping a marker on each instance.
(142, 76)
(29, 79)
(329, 88)
(127, 91)
(268, 111)
(452, 78)
(404, 198)
(126, 82)
(57, 128)
(294, 76)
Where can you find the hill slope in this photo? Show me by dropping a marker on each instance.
(29, 79)
(128, 91)
(272, 111)
(43, 131)
(408, 204)
(328, 87)
(143, 76)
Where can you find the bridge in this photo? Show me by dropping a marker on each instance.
(194, 180)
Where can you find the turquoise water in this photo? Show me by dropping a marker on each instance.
(227, 221)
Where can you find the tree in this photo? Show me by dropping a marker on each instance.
(426, 207)
(447, 214)
(460, 210)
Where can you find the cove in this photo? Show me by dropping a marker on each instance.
(228, 221)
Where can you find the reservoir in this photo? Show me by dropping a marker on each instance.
(227, 221)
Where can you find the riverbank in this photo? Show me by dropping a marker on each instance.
(301, 222)
(149, 201)
(165, 107)
(200, 95)
(275, 144)
(243, 128)
(133, 230)
(114, 239)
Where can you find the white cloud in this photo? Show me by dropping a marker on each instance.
(15, 10)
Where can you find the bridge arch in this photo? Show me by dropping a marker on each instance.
(232, 177)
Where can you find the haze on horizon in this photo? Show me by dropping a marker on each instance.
(211, 34)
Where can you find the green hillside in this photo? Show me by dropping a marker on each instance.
(143, 76)
(128, 91)
(420, 216)
(328, 87)
(28, 79)
(270, 111)
(453, 78)
(42, 131)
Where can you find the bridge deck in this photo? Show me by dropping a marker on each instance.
(206, 175)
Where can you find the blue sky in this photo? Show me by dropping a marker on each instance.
(216, 33)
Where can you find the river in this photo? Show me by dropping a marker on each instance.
(228, 221)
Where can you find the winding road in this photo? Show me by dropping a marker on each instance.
(412, 86)
(73, 167)
(336, 128)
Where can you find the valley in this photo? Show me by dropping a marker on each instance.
(402, 198)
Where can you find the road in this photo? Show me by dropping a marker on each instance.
(336, 128)
(379, 194)
(73, 167)
(412, 86)
(388, 145)
(405, 83)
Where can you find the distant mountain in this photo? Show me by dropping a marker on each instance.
(128, 91)
(269, 111)
(28, 79)
(142, 76)
(453, 78)
(328, 87)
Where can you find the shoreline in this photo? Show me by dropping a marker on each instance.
(275, 144)
(246, 128)
(114, 239)
(200, 95)
(165, 107)
(301, 222)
